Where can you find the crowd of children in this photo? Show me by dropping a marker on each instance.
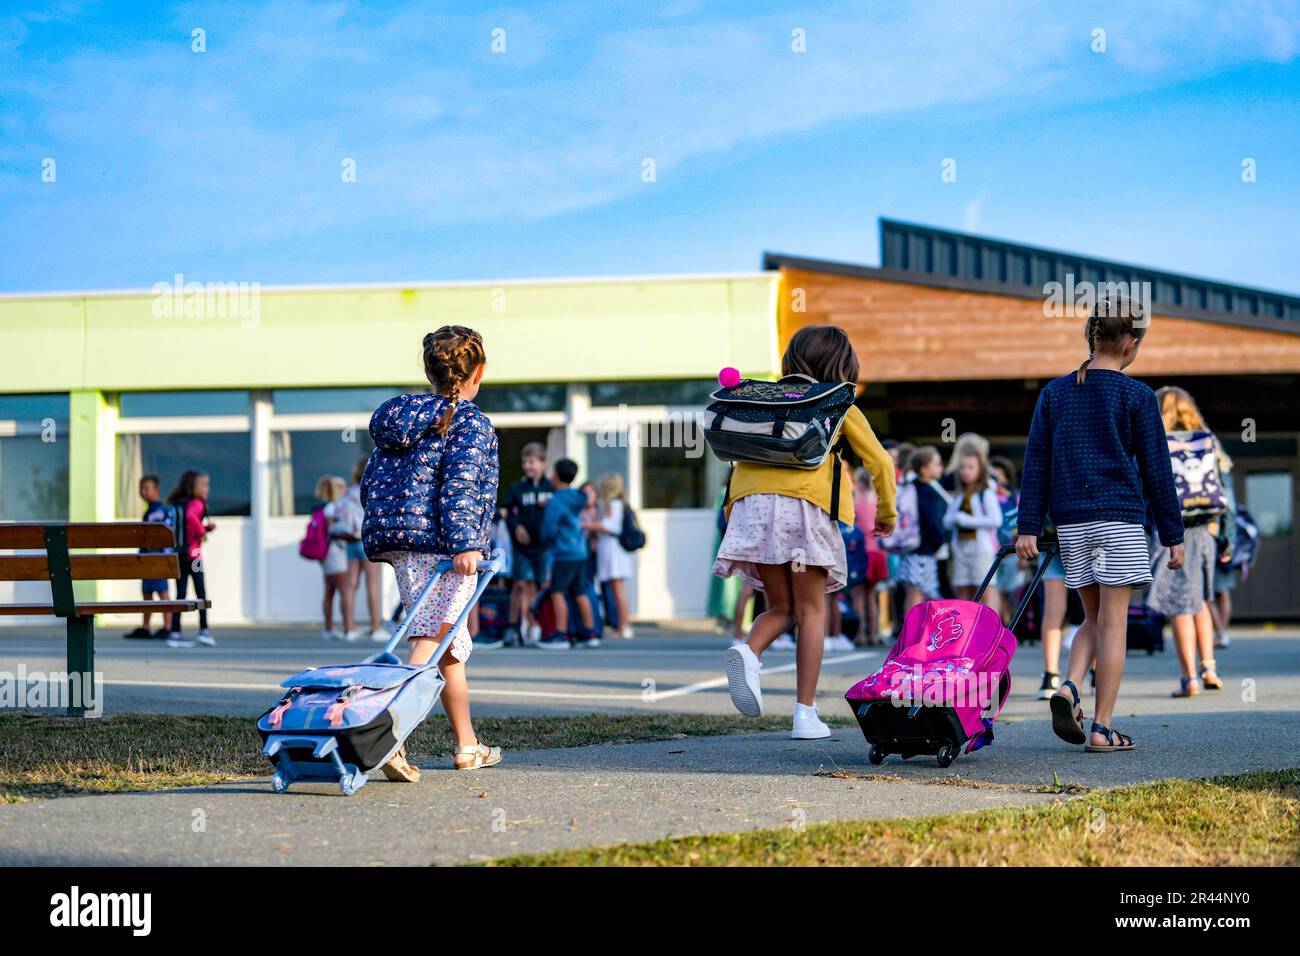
(1099, 466)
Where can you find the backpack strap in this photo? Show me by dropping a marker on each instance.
(838, 466)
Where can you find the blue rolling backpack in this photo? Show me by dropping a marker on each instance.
(338, 723)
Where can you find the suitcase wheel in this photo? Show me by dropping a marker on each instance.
(279, 782)
(348, 784)
(876, 755)
(946, 755)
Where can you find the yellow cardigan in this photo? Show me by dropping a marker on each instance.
(814, 484)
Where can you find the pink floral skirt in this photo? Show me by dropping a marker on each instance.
(776, 529)
(444, 604)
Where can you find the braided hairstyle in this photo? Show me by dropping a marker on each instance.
(451, 355)
(1114, 317)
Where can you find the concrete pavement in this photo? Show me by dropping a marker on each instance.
(547, 799)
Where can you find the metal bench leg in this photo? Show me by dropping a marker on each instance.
(81, 665)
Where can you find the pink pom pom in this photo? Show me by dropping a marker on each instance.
(729, 377)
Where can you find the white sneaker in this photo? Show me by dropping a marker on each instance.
(177, 639)
(737, 641)
(808, 725)
(334, 635)
(838, 643)
(380, 636)
(627, 633)
(354, 635)
(205, 638)
(534, 634)
(743, 670)
(783, 643)
(1224, 640)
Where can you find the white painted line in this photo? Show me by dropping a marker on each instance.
(480, 690)
(779, 669)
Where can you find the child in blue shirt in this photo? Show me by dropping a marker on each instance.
(1097, 461)
(566, 540)
(154, 511)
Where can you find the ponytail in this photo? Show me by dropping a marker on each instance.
(1114, 317)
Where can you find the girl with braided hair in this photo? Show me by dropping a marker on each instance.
(429, 492)
(1097, 462)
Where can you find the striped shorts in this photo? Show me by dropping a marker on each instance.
(1113, 553)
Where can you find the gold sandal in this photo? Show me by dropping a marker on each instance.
(483, 757)
(398, 769)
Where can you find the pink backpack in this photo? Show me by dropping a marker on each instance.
(315, 544)
(946, 678)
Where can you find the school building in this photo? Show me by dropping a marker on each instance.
(267, 389)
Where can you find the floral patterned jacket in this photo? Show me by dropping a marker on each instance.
(424, 492)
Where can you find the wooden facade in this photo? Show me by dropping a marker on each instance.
(910, 332)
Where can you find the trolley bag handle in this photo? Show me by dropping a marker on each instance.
(486, 570)
(1045, 555)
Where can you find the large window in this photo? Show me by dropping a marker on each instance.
(538, 397)
(225, 456)
(687, 392)
(34, 457)
(331, 401)
(299, 459)
(183, 404)
(1268, 496)
(677, 468)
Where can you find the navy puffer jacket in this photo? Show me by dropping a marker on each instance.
(424, 492)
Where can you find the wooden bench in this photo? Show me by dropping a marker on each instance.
(56, 564)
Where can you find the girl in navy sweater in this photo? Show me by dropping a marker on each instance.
(1096, 461)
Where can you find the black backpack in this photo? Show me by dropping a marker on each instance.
(630, 536)
(793, 423)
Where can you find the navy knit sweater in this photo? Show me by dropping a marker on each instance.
(1097, 452)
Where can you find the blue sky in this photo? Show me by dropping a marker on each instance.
(473, 164)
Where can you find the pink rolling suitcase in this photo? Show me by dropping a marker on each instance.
(946, 678)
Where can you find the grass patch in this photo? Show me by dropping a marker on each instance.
(1247, 820)
(46, 756)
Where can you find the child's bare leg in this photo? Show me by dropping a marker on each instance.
(455, 701)
(584, 611)
(329, 604)
(560, 605)
(1112, 621)
(809, 590)
(779, 616)
(1205, 633)
(742, 602)
(1184, 626)
(834, 622)
(1053, 622)
(1084, 647)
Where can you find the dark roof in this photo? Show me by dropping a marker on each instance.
(959, 260)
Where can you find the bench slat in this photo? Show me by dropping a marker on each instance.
(115, 534)
(92, 608)
(93, 567)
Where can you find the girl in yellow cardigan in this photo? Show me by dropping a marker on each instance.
(782, 539)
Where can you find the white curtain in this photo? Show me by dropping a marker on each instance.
(130, 468)
(279, 476)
